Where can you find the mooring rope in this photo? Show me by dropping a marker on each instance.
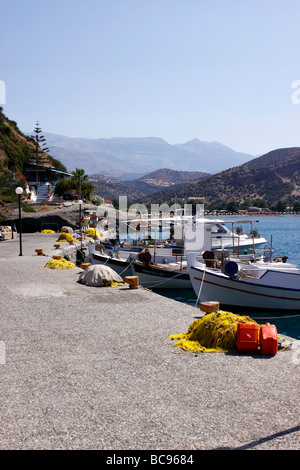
(200, 290)
(278, 318)
(163, 282)
(127, 267)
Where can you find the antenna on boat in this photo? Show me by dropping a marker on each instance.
(271, 247)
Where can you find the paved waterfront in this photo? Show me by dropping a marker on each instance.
(93, 368)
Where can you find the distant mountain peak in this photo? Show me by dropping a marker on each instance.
(141, 154)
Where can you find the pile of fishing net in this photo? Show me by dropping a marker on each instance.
(100, 276)
(214, 332)
(66, 237)
(47, 231)
(92, 232)
(60, 264)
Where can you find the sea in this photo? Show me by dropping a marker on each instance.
(284, 233)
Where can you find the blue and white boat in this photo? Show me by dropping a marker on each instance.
(244, 281)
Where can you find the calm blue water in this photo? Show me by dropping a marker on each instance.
(285, 231)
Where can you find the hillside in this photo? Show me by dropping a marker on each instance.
(273, 176)
(141, 155)
(17, 149)
(110, 187)
(166, 177)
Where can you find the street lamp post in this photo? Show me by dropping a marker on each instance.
(19, 191)
(80, 224)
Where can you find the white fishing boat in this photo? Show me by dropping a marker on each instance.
(220, 236)
(244, 282)
(162, 276)
(238, 241)
(163, 267)
(170, 273)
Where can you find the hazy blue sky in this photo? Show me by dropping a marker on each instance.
(217, 70)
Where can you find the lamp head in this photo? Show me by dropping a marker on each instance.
(19, 190)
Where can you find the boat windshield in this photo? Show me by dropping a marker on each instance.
(218, 229)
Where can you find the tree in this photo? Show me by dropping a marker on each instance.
(97, 200)
(280, 206)
(40, 148)
(87, 189)
(296, 206)
(247, 203)
(64, 186)
(260, 202)
(7, 189)
(80, 177)
(233, 206)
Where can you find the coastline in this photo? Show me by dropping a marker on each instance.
(256, 214)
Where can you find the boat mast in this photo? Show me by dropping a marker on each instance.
(252, 233)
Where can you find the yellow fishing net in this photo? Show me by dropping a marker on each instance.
(111, 283)
(60, 264)
(214, 332)
(47, 231)
(91, 232)
(66, 237)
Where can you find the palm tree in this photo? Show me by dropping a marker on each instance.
(80, 177)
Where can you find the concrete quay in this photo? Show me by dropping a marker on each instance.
(92, 368)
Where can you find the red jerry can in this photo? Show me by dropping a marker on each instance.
(268, 339)
(247, 337)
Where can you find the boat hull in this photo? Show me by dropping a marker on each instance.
(150, 276)
(160, 278)
(238, 247)
(263, 293)
(122, 267)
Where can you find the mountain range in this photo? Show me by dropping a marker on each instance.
(139, 156)
(224, 174)
(273, 176)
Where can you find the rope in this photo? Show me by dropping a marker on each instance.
(200, 288)
(108, 259)
(163, 282)
(65, 255)
(126, 266)
(277, 318)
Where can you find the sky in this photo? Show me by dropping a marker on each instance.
(216, 70)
